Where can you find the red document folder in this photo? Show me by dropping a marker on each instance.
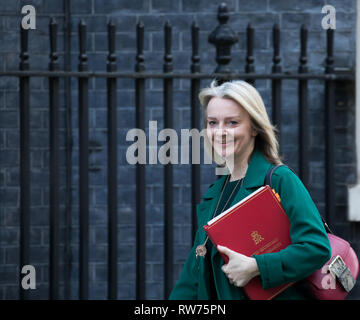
(257, 224)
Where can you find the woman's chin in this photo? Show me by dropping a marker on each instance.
(225, 154)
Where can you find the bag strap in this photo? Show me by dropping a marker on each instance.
(270, 173)
(268, 182)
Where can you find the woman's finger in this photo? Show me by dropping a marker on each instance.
(225, 250)
(224, 268)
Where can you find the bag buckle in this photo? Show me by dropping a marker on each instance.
(339, 270)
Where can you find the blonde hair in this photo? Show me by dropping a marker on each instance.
(249, 98)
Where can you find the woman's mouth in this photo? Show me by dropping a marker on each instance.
(223, 143)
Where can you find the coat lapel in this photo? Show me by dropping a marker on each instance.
(207, 207)
(255, 176)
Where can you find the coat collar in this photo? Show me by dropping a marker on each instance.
(255, 175)
(257, 169)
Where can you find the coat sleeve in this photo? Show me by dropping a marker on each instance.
(310, 248)
(186, 286)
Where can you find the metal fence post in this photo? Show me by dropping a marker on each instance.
(112, 165)
(83, 167)
(168, 183)
(24, 160)
(140, 170)
(54, 164)
(223, 38)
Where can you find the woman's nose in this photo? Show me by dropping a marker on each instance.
(221, 132)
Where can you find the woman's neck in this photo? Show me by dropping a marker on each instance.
(239, 172)
(241, 166)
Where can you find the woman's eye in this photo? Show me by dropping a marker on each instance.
(233, 122)
(211, 123)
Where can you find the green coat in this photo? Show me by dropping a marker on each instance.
(309, 251)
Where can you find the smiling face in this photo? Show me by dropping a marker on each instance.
(229, 122)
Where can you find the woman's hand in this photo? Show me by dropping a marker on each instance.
(240, 269)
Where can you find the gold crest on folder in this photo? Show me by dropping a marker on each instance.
(257, 237)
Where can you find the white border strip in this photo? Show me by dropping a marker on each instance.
(354, 191)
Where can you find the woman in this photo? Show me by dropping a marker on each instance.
(241, 138)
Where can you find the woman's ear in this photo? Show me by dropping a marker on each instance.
(254, 132)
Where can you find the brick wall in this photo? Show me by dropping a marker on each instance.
(289, 14)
